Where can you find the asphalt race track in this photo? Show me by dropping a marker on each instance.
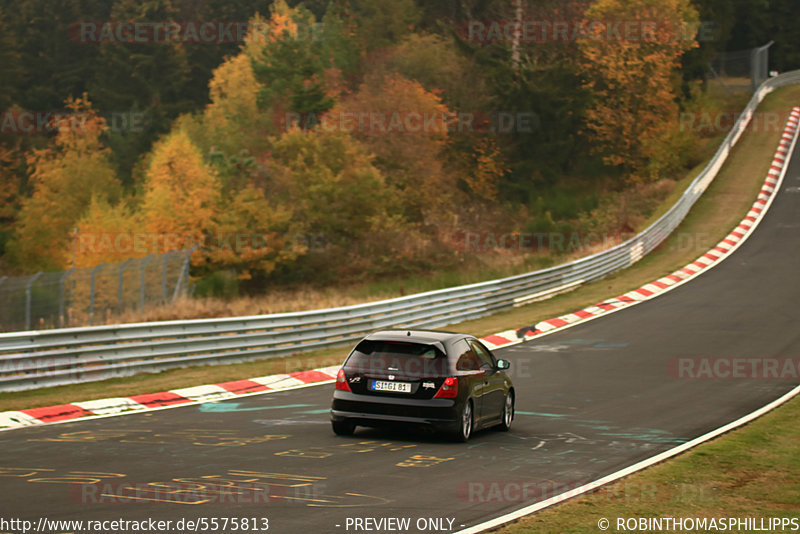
(591, 399)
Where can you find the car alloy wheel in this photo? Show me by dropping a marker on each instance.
(508, 413)
(465, 426)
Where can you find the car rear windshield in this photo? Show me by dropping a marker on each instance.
(412, 360)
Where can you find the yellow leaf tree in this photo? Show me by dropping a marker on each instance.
(232, 120)
(629, 57)
(108, 233)
(181, 194)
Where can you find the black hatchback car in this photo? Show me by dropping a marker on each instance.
(442, 380)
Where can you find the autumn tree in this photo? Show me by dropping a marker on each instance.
(486, 170)
(473, 150)
(65, 177)
(181, 194)
(329, 182)
(107, 233)
(436, 63)
(145, 80)
(303, 66)
(336, 39)
(231, 131)
(341, 205)
(232, 116)
(251, 236)
(288, 67)
(406, 127)
(632, 77)
(383, 23)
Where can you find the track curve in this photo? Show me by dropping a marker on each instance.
(591, 399)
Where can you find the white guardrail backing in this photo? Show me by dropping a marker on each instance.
(35, 359)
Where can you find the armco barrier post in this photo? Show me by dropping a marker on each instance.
(28, 299)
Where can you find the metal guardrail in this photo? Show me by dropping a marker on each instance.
(63, 356)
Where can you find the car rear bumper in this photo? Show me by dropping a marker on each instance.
(367, 410)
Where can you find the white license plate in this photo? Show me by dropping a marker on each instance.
(398, 387)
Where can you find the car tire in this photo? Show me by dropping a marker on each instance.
(507, 416)
(465, 424)
(343, 428)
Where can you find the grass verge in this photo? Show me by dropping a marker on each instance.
(748, 473)
(722, 206)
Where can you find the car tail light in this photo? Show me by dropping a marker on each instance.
(449, 389)
(341, 381)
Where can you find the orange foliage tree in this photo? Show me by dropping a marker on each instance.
(629, 57)
(65, 176)
(406, 127)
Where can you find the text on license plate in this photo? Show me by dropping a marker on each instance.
(382, 385)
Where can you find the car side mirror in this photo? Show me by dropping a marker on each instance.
(503, 364)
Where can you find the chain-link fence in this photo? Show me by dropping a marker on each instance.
(90, 295)
(742, 70)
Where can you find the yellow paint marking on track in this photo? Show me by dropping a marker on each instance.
(419, 460)
(217, 438)
(347, 448)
